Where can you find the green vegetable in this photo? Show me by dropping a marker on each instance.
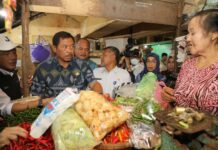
(147, 86)
(26, 116)
(126, 101)
(71, 133)
(143, 111)
(183, 125)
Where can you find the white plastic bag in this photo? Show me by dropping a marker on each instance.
(54, 109)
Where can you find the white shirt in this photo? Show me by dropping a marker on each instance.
(5, 103)
(112, 79)
(5, 100)
(163, 67)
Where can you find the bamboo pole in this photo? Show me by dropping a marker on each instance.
(25, 45)
(178, 30)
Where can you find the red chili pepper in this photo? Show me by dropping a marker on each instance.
(115, 140)
(45, 142)
(121, 134)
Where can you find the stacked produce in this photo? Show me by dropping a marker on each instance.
(142, 106)
(45, 142)
(95, 119)
(186, 116)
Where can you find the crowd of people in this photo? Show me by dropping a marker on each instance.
(196, 85)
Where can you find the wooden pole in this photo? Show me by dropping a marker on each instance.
(178, 30)
(25, 45)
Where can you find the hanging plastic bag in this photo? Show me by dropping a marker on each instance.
(150, 89)
(40, 50)
(71, 133)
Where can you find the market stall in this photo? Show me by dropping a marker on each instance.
(138, 119)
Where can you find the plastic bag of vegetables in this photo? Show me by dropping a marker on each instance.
(144, 136)
(150, 88)
(143, 111)
(70, 132)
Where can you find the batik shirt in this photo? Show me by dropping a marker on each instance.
(92, 64)
(51, 78)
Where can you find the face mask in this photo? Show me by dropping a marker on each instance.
(134, 61)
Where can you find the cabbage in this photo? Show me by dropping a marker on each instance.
(147, 86)
(71, 133)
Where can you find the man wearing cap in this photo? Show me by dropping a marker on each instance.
(111, 76)
(9, 83)
(82, 52)
(9, 88)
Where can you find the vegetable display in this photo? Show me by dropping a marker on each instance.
(45, 142)
(186, 116)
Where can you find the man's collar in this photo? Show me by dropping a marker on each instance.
(5, 72)
(55, 61)
(112, 70)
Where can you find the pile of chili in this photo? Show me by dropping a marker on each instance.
(45, 142)
(119, 135)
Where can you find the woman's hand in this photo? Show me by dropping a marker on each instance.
(11, 133)
(168, 94)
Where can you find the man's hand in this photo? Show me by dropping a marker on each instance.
(11, 133)
(168, 94)
(30, 80)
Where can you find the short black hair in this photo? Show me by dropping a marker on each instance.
(208, 20)
(115, 51)
(170, 57)
(164, 54)
(61, 35)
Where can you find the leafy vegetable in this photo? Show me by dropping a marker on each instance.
(26, 116)
(70, 132)
(143, 111)
(126, 101)
(147, 86)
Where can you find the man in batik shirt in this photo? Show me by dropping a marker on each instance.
(61, 71)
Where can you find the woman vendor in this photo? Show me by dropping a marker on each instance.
(152, 64)
(197, 82)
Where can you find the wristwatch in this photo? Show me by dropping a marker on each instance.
(40, 105)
